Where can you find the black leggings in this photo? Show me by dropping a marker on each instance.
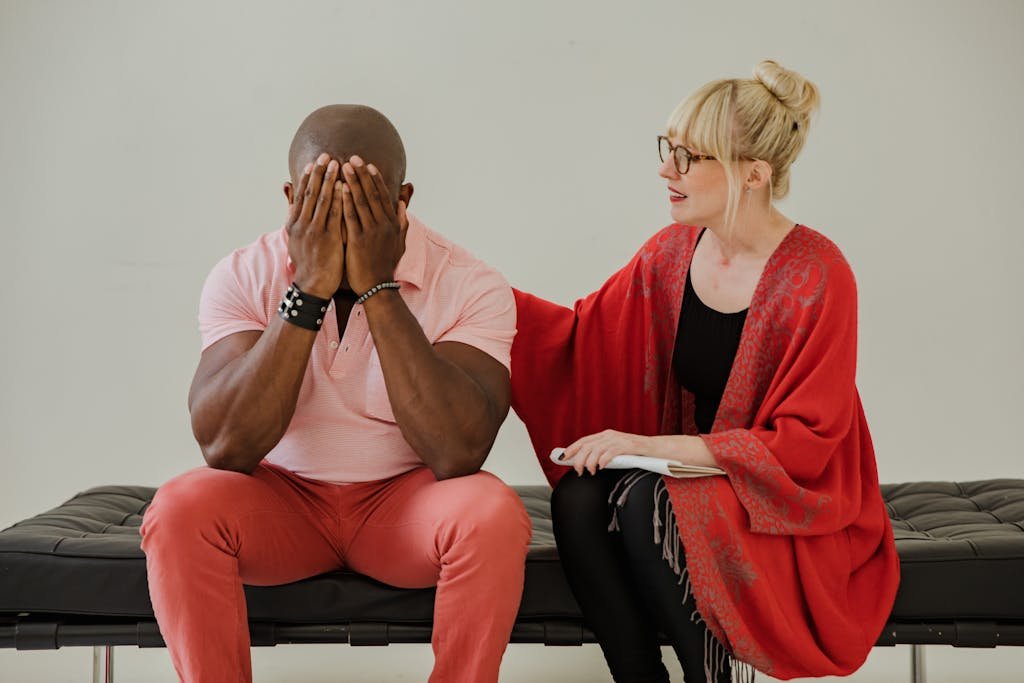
(626, 590)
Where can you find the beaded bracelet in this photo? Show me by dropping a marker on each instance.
(303, 309)
(377, 288)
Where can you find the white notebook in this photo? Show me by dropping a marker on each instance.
(659, 465)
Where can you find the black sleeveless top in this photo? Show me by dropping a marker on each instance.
(702, 364)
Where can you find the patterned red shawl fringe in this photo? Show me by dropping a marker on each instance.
(791, 556)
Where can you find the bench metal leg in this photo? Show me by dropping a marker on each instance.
(917, 673)
(103, 664)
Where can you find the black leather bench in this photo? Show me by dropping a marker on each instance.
(75, 575)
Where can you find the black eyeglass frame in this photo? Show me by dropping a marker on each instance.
(674, 150)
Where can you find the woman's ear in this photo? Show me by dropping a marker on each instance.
(759, 175)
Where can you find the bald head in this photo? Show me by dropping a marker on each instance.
(344, 130)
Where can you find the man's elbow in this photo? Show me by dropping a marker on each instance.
(227, 454)
(461, 462)
(454, 472)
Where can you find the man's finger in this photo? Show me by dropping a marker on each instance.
(358, 197)
(297, 196)
(323, 203)
(348, 212)
(403, 220)
(312, 192)
(386, 204)
(374, 200)
(334, 213)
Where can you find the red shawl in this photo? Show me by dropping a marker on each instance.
(791, 556)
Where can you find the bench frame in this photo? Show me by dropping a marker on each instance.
(49, 632)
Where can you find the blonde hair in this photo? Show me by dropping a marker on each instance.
(765, 117)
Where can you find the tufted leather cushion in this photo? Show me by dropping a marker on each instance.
(961, 548)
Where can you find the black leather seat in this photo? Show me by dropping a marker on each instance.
(961, 547)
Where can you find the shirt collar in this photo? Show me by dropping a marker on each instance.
(412, 267)
(413, 264)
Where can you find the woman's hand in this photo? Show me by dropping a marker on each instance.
(597, 450)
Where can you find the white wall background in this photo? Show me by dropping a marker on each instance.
(141, 141)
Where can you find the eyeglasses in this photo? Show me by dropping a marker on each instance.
(680, 155)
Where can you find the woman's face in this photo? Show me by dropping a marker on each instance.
(699, 197)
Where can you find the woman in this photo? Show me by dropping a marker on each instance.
(731, 344)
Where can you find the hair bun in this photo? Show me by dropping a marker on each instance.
(791, 89)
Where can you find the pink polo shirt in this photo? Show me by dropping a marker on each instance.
(344, 430)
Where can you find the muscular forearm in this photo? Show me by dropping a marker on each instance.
(443, 413)
(242, 411)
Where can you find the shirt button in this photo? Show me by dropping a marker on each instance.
(334, 344)
(330, 306)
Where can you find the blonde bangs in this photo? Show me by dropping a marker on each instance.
(703, 122)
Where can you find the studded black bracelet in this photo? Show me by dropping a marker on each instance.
(303, 309)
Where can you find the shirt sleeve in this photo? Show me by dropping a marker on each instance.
(227, 305)
(488, 317)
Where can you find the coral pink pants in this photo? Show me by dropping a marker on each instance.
(209, 531)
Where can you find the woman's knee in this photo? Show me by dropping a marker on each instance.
(575, 495)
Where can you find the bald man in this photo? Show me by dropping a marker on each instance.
(354, 374)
